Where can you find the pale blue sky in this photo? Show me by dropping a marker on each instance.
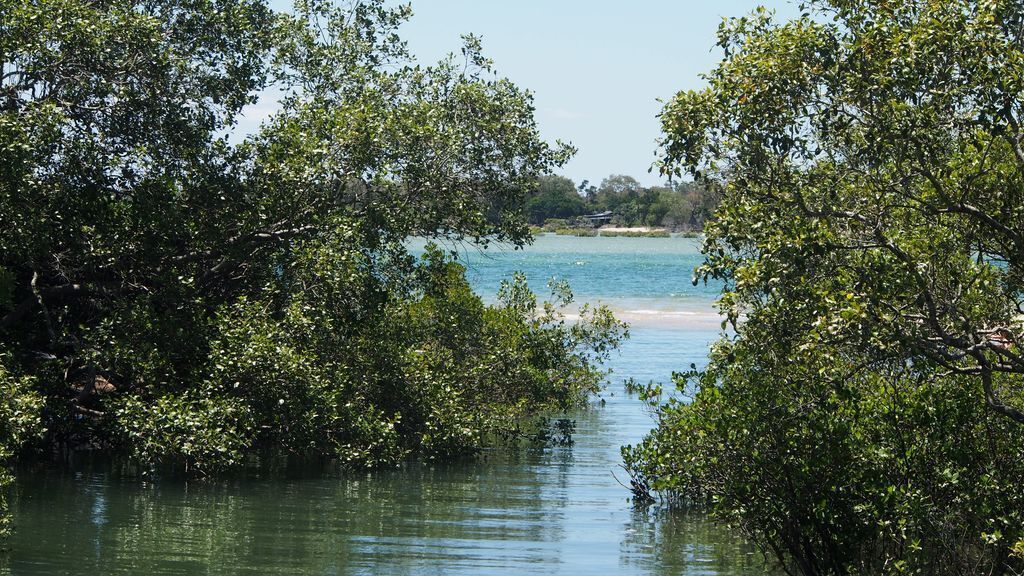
(596, 67)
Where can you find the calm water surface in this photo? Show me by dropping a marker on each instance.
(555, 511)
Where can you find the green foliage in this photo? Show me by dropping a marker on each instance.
(682, 206)
(187, 301)
(556, 197)
(435, 372)
(6, 289)
(552, 224)
(582, 232)
(832, 468)
(202, 434)
(20, 423)
(869, 241)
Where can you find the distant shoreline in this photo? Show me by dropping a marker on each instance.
(630, 229)
(619, 232)
(683, 318)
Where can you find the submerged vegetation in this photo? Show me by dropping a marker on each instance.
(867, 414)
(180, 299)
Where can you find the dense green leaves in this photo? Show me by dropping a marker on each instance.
(20, 423)
(831, 467)
(170, 295)
(556, 197)
(870, 242)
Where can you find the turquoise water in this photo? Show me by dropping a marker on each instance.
(646, 281)
(553, 511)
(606, 268)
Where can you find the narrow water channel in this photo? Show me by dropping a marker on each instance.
(554, 511)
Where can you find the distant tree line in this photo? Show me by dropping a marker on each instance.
(677, 206)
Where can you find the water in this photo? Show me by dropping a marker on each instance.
(555, 511)
(647, 281)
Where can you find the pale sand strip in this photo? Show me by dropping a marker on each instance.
(692, 319)
(630, 229)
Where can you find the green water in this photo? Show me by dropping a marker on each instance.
(554, 511)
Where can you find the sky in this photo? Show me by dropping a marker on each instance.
(597, 68)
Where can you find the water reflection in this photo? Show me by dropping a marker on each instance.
(661, 541)
(557, 511)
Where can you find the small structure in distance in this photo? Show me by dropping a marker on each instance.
(598, 219)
